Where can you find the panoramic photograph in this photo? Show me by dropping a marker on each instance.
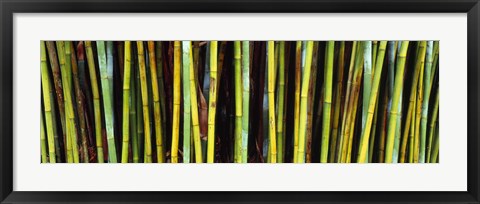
(239, 101)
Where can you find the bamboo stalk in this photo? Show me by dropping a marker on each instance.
(238, 102)
(194, 105)
(303, 103)
(364, 138)
(176, 100)
(145, 108)
(80, 104)
(271, 103)
(298, 78)
(47, 103)
(310, 103)
(72, 148)
(281, 103)
(156, 103)
(126, 100)
(338, 100)
(246, 98)
(327, 102)
(57, 82)
(133, 107)
(212, 103)
(427, 88)
(161, 88)
(107, 101)
(396, 98)
(367, 80)
(186, 102)
(433, 121)
(96, 101)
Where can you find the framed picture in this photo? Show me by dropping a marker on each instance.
(239, 101)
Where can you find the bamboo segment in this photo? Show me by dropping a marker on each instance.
(126, 101)
(47, 103)
(176, 100)
(392, 122)
(96, 101)
(194, 106)
(246, 98)
(364, 139)
(303, 103)
(43, 145)
(212, 103)
(238, 102)
(327, 102)
(156, 103)
(145, 108)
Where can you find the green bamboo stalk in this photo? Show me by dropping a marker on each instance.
(327, 103)
(416, 153)
(281, 102)
(246, 98)
(436, 47)
(194, 106)
(176, 100)
(107, 100)
(392, 122)
(411, 136)
(156, 103)
(47, 103)
(303, 103)
(126, 103)
(427, 87)
(72, 148)
(145, 108)
(434, 158)
(433, 121)
(186, 101)
(420, 56)
(238, 102)
(338, 100)
(133, 108)
(298, 78)
(212, 103)
(96, 101)
(364, 138)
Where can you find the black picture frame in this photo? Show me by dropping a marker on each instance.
(10, 7)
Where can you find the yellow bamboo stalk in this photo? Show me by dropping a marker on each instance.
(176, 99)
(156, 103)
(303, 103)
(212, 103)
(271, 102)
(194, 105)
(144, 90)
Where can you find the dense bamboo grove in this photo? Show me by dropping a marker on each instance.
(240, 101)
